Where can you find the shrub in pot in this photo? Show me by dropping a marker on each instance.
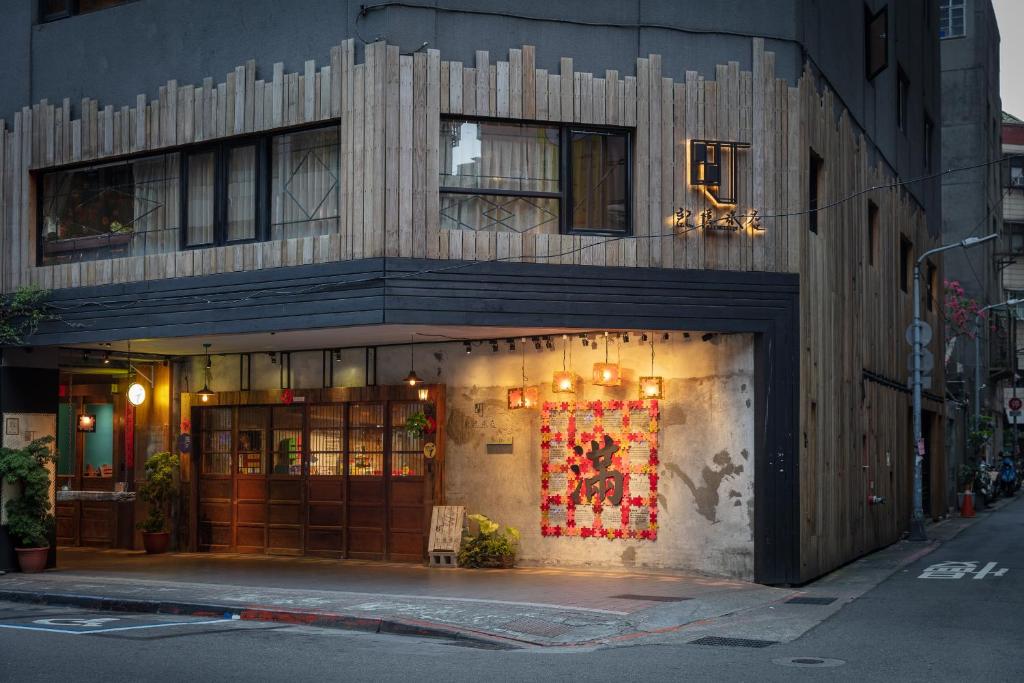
(159, 490)
(491, 547)
(29, 516)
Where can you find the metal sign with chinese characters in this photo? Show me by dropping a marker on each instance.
(960, 570)
(713, 167)
(599, 469)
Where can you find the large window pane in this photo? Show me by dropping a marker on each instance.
(305, 196)
(242, 193)
(599, 181)
(201, 174)
(502, 213)
(127, 208)
(499, 156)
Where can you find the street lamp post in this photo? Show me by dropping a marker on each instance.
(917, 520)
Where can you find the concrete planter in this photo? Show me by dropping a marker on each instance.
(32, 560)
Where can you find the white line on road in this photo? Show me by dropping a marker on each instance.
(115, 628)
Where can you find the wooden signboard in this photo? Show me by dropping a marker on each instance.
(446, 523)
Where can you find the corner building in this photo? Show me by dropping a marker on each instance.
(641, 221)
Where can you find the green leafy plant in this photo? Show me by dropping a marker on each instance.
(966, 476)
(159, 490)
(491, 547)
(29, 518)
(21, 313)
(977, 438)
(416, 424)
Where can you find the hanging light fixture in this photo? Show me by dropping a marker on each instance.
(86, 422)
(136, 391)
(412, 379)
(523, 396)
(607, 374)
(205, 394)
(564, 382)
(652, 386)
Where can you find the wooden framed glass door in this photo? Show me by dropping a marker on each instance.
(250, 480)
(285, 490)
(407, 522)
(216, 488)
(366, 525)
(325, 485)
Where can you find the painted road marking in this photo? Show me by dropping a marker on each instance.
(959, 570)
(90, 626)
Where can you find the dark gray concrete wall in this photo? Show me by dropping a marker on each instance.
(114, 54)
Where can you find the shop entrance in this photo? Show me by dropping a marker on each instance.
(343, 479)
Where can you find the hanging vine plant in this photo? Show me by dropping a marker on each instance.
(21, 313)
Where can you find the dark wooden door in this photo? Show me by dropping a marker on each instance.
(285, 490)
(406, 540)
(250, 479)
(366, 525)
(216, 484)
(325, 485)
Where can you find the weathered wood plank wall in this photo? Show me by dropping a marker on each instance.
(388, 109)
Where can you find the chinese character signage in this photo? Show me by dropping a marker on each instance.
(599, 469)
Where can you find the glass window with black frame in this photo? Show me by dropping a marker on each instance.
(599, 191)
(500, 177)
(305, 188)
(952, 18)
(127, 208)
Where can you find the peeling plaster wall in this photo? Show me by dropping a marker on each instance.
(706, 442)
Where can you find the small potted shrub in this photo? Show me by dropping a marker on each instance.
(491, 547)
(29, 518)
(159, 490)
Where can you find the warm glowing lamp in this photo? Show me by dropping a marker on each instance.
(564, 382)
(523, 397)
(412, 379)
(205, 394)
(423, 394)
(136, 394)
(653, 385)
(607, 374)
(86, 423)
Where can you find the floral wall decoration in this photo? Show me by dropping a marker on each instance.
(599, 469)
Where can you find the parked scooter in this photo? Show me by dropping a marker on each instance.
(983, 488)
(1007, 481)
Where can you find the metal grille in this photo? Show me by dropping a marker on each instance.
(719, 641)
(650, 598)
(808, 600)
(536, 627)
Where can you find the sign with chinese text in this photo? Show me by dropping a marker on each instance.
(599, 469)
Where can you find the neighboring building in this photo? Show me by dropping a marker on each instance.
(971, 202)
(1011, 260)
(660, 199)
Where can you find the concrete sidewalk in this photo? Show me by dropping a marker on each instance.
(503, 608)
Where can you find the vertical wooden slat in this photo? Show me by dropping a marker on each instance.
(419, 159)
(482, 82)
(529, 85)
(405, 161)
(431, 187)
(392, 135)
(515, 83)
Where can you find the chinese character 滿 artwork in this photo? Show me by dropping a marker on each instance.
(599, 469)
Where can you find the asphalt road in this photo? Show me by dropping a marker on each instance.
(907, 629)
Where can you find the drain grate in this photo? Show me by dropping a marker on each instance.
(719, 641)
(650, 598)
(808, 600)
(536, 627)
(809, 662)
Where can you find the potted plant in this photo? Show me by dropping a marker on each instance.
(419, 424)
(491, 547)
(29, 519)
(159, 490)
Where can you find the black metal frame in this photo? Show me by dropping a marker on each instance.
(869, 21)
(700, 151)
(221, 153)
(564, 195)
(71, 8)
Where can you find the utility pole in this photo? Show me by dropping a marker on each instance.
(917, 532)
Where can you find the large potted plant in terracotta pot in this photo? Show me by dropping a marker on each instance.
(29, 517)
(159, 490)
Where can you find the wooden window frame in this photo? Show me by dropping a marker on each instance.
(564, 194)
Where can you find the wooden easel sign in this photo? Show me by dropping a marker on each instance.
(446, 524)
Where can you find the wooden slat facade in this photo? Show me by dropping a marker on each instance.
(388, 109)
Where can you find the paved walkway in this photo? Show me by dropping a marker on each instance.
(525, 606)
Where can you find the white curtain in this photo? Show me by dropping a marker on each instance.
(304, 184)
